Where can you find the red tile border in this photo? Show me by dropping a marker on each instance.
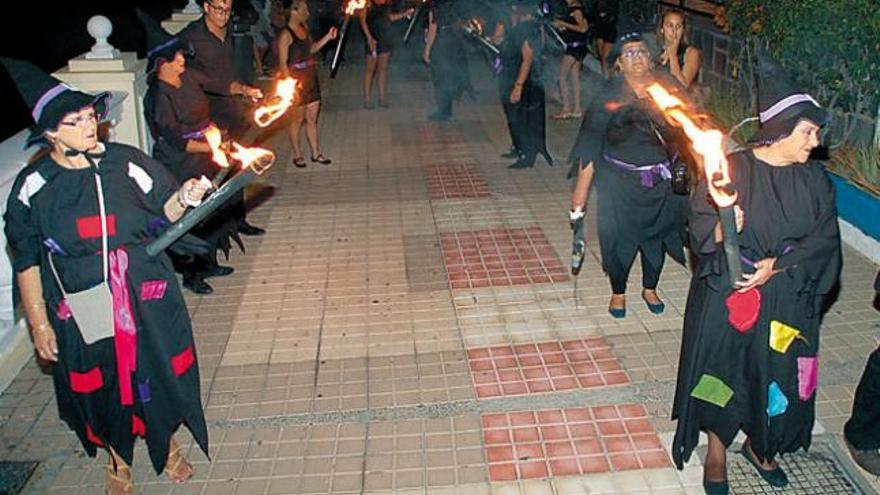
(521, 369)
(500, 257)
(564, 442)
(456, 180)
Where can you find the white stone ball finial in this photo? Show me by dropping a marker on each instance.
(100, 28)
(192, 8)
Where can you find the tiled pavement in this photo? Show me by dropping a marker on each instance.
(408, 326)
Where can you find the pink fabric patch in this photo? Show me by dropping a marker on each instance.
(808, 376)
(124, 329)
(153, 289)
(63, 311)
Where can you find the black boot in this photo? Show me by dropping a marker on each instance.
(248, 229)
(194, 282)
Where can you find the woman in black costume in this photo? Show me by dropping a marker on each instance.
(521, 87)
(749, 353)
(604, 22)
(631, 151)
(376, 22)
(446, 54)
(77, 221)
(574, 33)
(677, 55)
(296, 59)
(178, 112)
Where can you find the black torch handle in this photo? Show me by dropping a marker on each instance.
(731, 243)
(340, 42)
(412, 23)
(199, 213)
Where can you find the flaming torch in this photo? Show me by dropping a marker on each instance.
(254, 161)
(350, 8)
(412, 22)
(475, 29)
(709, 144)
(285, 90)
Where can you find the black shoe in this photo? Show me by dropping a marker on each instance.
(196, 284)
(716, 487)
(775, 477)
(523, 162)
(439, 116)
(869, 460)
(248, 229)
(511, 153)
(217, 271)
(546, 155)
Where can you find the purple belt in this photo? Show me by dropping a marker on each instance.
(649, 175)
(304, 64)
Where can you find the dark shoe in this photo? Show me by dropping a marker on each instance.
(299, 162)
(368, 105)
(617, 313)
(869, 460)
(775, 477)
(523, 162)
(248, 229)
(657, 309)
(716, 487)
(511, 153)
(547, 157)
(323, 160)
(217, 271)
(196, 284)
(439, 116)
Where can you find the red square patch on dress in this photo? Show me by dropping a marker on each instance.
(182, 362)
(88, 382)
(90, 435)
(153, 289)
(138, 428)
(90, 227)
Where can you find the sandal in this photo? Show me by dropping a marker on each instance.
(562, 116)
(118, 479)
(323, 160)
(177, 468)
(299, 162)
(576, 115)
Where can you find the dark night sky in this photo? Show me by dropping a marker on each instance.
(55, 31)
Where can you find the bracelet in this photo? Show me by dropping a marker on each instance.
(517, 84)
(37, 305)
(41, 328)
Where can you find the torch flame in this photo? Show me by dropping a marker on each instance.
(354, 5)
(708, 143)
(215, 139)
(475, 26)
(277, 104)
(258, 159)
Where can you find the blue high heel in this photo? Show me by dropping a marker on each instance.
(657, 309)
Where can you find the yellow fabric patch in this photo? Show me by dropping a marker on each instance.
(782, 335)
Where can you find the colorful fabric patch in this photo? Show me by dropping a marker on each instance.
(182, 362)
(124, 328)
(143, 179)
(90, 436)
(63, 310)
(145, 393)
(743, 309)
(90, 227)
(156, 226)
(32, 183)
(782, 335)
(808, 376)
(777, 402)
(88, 382)
(153, 289)
(712, 390)
(54, 247)
(138, 428)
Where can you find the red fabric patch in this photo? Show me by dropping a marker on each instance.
(88, 382)
(182, 362)
(153, 289)
(743, 309)
(138, 428)
(90, 227)
(90, 435)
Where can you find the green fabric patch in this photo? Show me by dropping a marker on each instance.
(712, 390)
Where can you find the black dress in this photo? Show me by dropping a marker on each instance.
(145, 380)
(175, 116)
(575, 43)
(303, 66)
(526, 119)
(604, 20)
(632, 149)
(748, 370)
(449, 65)
(379, 23)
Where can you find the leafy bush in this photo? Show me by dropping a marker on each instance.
(859, 165)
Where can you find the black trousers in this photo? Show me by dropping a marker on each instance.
(862, 430)
(650, 275)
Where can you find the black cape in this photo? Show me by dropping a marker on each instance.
(450, 73)
(789, 214)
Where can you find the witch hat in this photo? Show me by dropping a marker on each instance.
(160, 44)
(48, 98)
(781, 105)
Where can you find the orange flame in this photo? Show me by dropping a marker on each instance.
(215, 139)
(708, 143)
(354, 5)
(475, 25)
(285, 90)
(258, 159)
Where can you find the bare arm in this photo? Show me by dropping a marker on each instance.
(688, 73)
(193, 146)
(431, 37)
(581, 192)
(331, 34)
(580, 25)
(365, 28)
(31, 289)
(283, 49)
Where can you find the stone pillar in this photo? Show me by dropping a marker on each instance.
(180, 19)
(121, 73)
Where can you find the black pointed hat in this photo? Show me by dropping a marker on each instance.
(781, 106)
(160, 44)
(48, 98)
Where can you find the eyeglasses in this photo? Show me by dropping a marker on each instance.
(219, 9)
(80, 121)
(638, 52)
